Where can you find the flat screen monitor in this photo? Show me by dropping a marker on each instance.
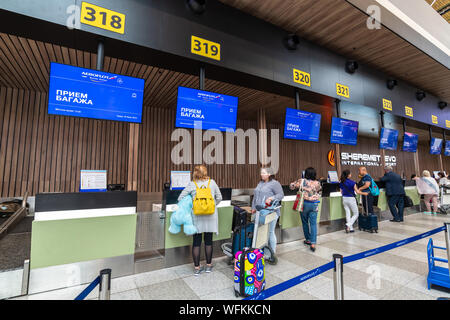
(436, 146)
(344, 131)
(447, 148)
(197, 109)
(302, 125)
(388, 139)
(410, 141)
(87, 93)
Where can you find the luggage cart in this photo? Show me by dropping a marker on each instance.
(444, 201)
(260, 235)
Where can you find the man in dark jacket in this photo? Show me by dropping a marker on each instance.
(395, 192)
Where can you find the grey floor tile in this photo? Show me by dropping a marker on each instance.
(168, 290)
(152, 277)
(127, 295)
(207, 283)
(404, 293)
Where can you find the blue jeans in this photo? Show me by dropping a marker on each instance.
(394, 202)
(309, 221)
(272, 236)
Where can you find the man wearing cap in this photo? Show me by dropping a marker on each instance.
(395, 192)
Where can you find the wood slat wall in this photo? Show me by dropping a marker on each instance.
(45, 153)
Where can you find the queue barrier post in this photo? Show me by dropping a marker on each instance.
(105, 285)
(447, 241)
(338, 277)
(25, 277)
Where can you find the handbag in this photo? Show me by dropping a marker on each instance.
(408, 201)
(298, 203)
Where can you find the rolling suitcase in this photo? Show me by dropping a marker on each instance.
(249, 273)
(368, 222)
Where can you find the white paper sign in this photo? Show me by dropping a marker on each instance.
(93, 180)
(333, 177)
(179, 179)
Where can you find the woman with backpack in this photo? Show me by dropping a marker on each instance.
(349, 190)
(206, 196)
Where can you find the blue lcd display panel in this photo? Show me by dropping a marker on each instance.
(436, 146)
(447, 149)
(344, 131)
(94, 94)
(302, 125)
(205, 110)
(410, 141)
(388, 139)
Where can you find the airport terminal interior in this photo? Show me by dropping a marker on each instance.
(318, 134)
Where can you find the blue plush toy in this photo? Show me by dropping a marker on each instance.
(183, 217)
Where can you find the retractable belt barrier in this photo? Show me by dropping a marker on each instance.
(104, 282)
(330, 265)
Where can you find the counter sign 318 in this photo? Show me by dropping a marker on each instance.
(102, 18)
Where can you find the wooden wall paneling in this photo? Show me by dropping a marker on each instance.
(10, 144)
(20, 154)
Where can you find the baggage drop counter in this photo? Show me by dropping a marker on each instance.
(75, 235)
(331, 215)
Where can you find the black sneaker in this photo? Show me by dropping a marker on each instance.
(307, 243)
(313, 249)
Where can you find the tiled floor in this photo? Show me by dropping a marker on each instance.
(396, 274)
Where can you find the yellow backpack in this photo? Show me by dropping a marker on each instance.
(204, 202)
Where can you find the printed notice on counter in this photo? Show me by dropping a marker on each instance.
(179, 179)
(93, 181)
(333, 177)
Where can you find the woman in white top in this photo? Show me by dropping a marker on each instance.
(430, 189)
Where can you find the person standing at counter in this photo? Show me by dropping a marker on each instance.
(395, 193)
(268, 190)
(443, 179)
(349, 190)
(311, 191)
(206, 224)
(364, 189)
(430, 189)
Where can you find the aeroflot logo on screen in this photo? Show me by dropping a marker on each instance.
(97, 77)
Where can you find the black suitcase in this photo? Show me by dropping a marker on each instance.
(368, 222)
(240, 217)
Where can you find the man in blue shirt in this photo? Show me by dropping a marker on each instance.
(395, 193)
(363, 187)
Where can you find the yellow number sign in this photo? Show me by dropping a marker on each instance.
(387, 104)
(409, 111)
(434, 119)
(342, 90)
(102, 18)
(447, 123)
(302, 77)
(205, 48)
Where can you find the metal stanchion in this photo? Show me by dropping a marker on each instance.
(338, 277)
(25, 277)
(447, 241)
(105, 285)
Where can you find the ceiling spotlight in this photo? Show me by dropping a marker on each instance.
(291, 41)
(391, 83)
(197, 6)
(351, 66)
(442, 105)
(420, 95)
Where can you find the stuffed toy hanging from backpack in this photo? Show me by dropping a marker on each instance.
(183, 217)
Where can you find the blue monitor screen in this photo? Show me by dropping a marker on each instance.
(410, 141)
(94, 94)
(447, 148)
(302, 125)
(344, 131)
(388, 139)
(205, 110)
(436, 146)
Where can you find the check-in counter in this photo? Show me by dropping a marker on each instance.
(331, 215)
(75, 235)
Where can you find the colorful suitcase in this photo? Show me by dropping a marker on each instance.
(249, 274)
